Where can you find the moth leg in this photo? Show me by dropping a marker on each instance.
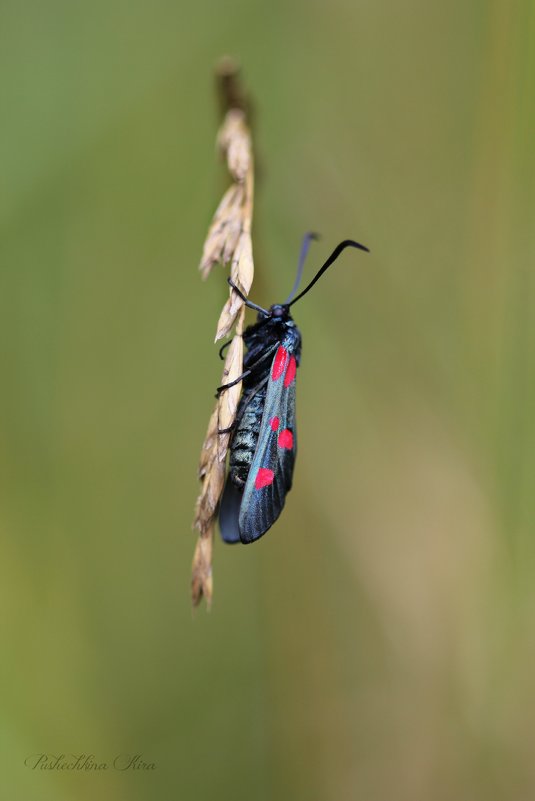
(237, 380)
(223, 348)
(246, 399)
(246, 300)
(247, 372)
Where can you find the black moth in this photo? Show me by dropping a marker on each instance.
(263, 443)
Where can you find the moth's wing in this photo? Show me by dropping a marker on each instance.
(270, 474)
(229, 512)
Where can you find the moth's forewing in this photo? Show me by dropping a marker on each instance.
(270, 475)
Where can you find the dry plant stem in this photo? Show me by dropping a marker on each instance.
(228, 240)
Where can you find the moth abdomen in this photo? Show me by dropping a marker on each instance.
(245, 438)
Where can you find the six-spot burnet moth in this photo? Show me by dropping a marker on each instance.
(263, 442)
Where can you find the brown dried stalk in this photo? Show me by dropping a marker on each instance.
(228, 240)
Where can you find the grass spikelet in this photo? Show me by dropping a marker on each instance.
(228, 241)
(201, 570)
(228, 401)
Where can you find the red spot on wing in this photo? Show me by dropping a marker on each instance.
(263, 477)
(279, 363)
(286, 439)
(290, 372)
(274, 423)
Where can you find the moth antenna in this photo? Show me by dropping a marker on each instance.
(307, 239)
(347, 243)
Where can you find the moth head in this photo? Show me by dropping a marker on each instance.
(279, 311)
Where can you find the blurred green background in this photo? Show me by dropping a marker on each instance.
(379, 643)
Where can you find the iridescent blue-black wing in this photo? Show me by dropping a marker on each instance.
(270, 474)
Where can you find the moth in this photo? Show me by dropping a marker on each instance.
(263, 443)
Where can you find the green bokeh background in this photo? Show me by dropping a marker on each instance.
(379, 644)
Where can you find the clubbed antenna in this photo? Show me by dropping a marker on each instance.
(307, 239)
(347, 243)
